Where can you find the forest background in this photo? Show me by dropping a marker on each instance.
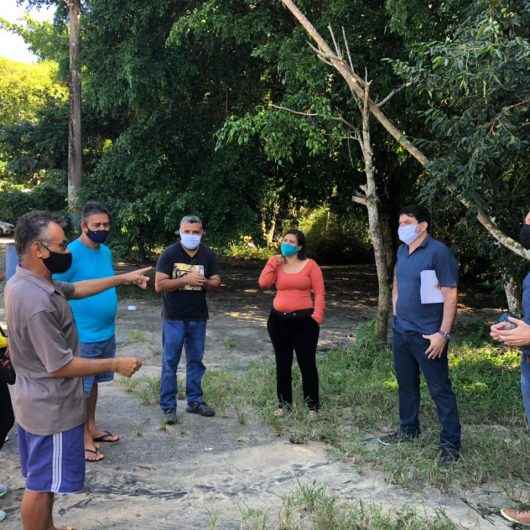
(222, 108)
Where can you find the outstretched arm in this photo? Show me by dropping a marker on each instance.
(90, 287)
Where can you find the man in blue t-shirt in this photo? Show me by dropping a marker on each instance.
(424, 299)
(94, 316)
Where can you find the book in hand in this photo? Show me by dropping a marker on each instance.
(430, 291)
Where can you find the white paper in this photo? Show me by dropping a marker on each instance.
(430, 291)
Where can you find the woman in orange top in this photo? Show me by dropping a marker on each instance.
(294, 322)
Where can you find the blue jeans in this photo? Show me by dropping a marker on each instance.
(525, 384)
(409, 360)
(176, 333)
(105, 349)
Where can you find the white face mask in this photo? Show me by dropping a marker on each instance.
(190, 241)
(408, 233)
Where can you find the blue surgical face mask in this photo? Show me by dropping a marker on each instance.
(408, 233)
(190, 241)
(288, 249)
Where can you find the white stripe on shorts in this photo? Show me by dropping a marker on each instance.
(57, 461)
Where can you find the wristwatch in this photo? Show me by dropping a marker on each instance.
(446, 336)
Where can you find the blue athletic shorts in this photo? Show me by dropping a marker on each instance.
(105, 349)
(53, 463)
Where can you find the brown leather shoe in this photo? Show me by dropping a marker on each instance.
(515, 516)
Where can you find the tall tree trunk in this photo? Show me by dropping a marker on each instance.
(384, 301)
(512, 290)
(270, 213)
(388, 238)
(75, 160)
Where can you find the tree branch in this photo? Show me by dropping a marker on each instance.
(315, 115)
(492, 123)
(360, 199)
(393, 93)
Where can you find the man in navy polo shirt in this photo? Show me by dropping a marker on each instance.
(424, 300)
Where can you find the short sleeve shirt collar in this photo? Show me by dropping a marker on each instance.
(44, 284)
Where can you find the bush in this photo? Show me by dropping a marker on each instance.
(46, 196)
(336, 239)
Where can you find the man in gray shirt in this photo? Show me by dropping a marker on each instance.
(44, 346)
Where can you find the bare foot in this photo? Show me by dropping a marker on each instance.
(105, 437)
(93, 455)
(90, 444)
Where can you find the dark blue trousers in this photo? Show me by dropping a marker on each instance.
(409, 360)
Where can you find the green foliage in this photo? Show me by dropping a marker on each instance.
(426, 20)
(33, 137)
(47, 41)
(180, 114)
(246, 249)
(334, 239)
(25, 89)
(476, 88)
(15, 202)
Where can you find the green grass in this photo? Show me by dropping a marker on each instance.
(146, 388)
(359, 401)
(136, 335)
(312, 507)
(229, 343)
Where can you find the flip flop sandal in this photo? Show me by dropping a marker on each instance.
(94, 453)
(104, 438)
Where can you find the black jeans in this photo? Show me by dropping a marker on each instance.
(7, 418)
(301, 335)
(409, 359)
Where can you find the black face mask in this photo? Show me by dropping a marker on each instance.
(98, 236)
(57, 263)
(524, 237)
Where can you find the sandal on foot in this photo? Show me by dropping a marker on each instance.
(96, 452)
(107, 437)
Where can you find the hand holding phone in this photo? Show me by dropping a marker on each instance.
(503, 322)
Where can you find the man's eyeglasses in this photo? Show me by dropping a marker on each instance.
(63, 245)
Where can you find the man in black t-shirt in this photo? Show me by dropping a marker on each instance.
(184, 272)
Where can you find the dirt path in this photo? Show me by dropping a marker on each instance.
(205, 470)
